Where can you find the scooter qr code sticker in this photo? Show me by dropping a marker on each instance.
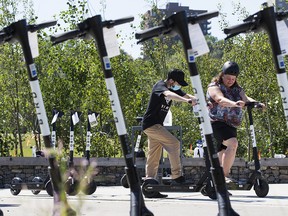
(280, 60)
(33, 70)
(107, 63)
(191, 57)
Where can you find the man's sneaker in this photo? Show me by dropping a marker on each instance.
(178, 181)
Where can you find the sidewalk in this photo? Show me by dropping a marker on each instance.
(115, 200)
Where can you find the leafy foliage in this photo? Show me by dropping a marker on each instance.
(71, 78)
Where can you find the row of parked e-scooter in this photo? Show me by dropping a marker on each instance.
(179, 23)
(150, 187)
(73, 184)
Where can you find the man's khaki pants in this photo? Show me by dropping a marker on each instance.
(159, 137)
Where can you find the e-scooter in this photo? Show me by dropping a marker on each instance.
(36, 185)
(89, 184)
(256, 178)
(178, 23)
(94, 27)
(151, 187)
(72, 184)
(18, 31)
(56, 114)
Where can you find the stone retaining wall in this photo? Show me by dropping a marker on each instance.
(111, 170)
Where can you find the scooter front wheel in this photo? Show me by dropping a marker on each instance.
(15, 192)
(261, 187)
(203, 191)
(72, 186)
(149, 193)
(209, 190)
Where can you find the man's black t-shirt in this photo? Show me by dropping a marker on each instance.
(158, 105)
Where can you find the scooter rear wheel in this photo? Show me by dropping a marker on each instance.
(124, 181)
(37, 180)
(35, 192)
(148, 193)
(15, 181)
(49, 187)
(90, 186)
(261, 187)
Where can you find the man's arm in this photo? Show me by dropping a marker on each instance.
(173, 96)
(189, 96)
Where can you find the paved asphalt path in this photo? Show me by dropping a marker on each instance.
(115, 201)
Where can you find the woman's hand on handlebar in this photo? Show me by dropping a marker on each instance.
(256, 104)
(239, 103)
(262, 106)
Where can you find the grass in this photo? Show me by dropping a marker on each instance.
(28, 142)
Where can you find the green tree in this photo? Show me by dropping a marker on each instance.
(15, 94)
(71, 78)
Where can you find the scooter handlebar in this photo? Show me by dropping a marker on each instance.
(200, 17)
(151, 32)
(112, 23)
(240, 28)
(253, 104)
(36, 27)
(66, 36)
(6, 33)
(81, 33)
(164, 29)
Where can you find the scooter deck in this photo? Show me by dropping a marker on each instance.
(245, 185)
(239, 186)
(173, 188)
